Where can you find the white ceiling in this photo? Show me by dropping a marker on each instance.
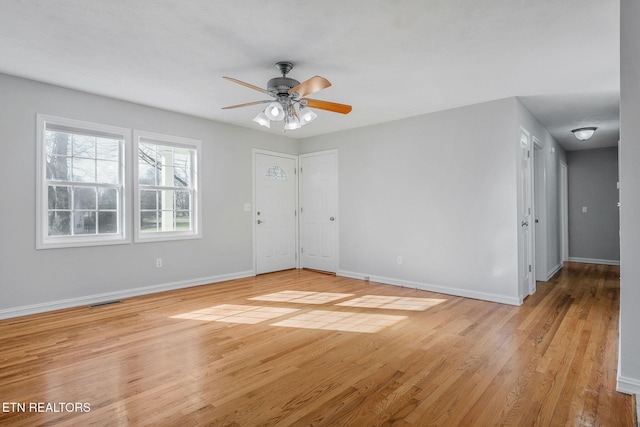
(389, 59)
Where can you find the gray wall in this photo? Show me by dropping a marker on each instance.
(29, 277)
(593, 177)
(440, 191)
(629, 369)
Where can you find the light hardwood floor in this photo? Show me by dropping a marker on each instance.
(336, 351)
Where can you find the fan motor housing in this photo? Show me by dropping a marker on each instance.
(279, 86)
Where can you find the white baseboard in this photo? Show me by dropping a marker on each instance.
(595, 261)
(553, 271)
(628, 385)
(8, 313)
(485, 296)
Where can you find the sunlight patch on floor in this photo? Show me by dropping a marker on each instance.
(393, 303)
(231, 313)
(302, 297)
(341, 321)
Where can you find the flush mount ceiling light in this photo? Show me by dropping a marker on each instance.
(289, 105)
(584, 133)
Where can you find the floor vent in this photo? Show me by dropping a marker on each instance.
(102, 304)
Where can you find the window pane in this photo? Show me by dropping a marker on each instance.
(181, 177)
(182, 200)
(183, 221)
(59, 168)
(166, 199)
(165, 155)
(84, 197)
(59, 223)
(182, 157)
(148, 200)
(108, 149)
(107, 198)
(182, 167)
(147, 153)
(146, 174)
(276, 172)
(59, 197)
(148, 222)
(107, 222)
(84, 170)
(107, 172)
(84, 222)
(84, 146)
(165, 221)
(58, 143)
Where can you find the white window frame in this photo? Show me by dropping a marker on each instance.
(196, 198)
(43, 240)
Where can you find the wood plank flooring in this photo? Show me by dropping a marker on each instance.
(305, 348)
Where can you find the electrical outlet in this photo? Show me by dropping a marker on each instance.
(399, 259)
(584, 209)
(158, 262)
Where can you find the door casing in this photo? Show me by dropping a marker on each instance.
(329, 266)
(256, 152)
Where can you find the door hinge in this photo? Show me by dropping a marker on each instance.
(301, 250)
(300, 169)
(295, 213)
(296, 254)
(529, 268)
(528, 154)
(300, 209)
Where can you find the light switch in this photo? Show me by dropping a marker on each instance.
(247, 207)
(584, 209)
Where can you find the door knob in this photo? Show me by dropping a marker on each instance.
(259, 222)
(332, 219)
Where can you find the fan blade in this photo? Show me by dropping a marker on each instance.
(313, 85)
(250, 86)
(248, 104)
(329, 106)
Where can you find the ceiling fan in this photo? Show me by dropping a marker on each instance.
(289, 103)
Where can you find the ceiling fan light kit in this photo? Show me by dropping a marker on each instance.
(290, 105)
(274, 112)
(262, 119)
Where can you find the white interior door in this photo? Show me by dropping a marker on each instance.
(275, 212)
(527, 282)
(319, 211)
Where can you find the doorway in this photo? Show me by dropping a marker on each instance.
(319, 211)
(527, 284)
(540, 219)
(275, 211)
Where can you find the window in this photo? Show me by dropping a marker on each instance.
(276, 172)
(167, 200)
(80, 183)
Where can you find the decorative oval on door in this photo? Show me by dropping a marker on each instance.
(276, 172)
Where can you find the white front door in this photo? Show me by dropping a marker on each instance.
(275, 212)
(527, 284)
(319, 211)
